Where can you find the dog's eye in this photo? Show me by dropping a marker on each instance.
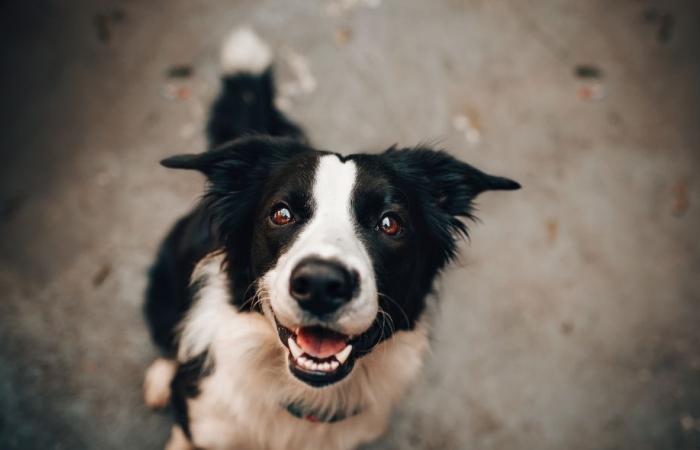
(281, 215)
(390, 225)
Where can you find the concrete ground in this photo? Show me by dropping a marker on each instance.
(571, 321)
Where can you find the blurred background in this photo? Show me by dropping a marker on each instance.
(572, 320)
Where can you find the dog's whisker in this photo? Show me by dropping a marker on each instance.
(386, 321)
(398, 306)
(250, 300)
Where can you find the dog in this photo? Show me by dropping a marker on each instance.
(292, 304)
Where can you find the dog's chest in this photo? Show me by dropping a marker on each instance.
(243, 405)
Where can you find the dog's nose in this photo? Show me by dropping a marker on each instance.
(322, 286)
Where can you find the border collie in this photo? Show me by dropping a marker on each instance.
(291, 303)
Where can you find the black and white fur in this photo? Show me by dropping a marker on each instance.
(219, 302)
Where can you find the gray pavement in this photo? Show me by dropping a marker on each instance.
(571, 321)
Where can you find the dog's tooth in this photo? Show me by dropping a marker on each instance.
(327, 366)
(334, 365)
(294, 348)
(342, 355)
(314, 366)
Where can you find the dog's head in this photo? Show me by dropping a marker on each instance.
(339, 252)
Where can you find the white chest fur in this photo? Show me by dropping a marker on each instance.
(241, 403)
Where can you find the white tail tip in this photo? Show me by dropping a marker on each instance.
(244, 51)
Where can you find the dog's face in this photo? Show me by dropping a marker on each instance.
(338, 252)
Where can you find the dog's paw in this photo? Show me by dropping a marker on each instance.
(156, 384)
(178, 440)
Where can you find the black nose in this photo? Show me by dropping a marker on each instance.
(322, 286)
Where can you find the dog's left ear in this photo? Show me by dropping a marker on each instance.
(446, 188)
(448, 183)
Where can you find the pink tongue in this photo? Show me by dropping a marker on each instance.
(320, 343)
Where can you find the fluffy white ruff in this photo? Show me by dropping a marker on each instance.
(244, 52)
(243, 400)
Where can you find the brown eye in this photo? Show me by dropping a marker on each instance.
(390, 225)
(281, 215)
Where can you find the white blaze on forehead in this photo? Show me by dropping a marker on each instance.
(330, 234)
(333, 187)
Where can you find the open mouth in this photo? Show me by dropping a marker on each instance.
(319, 356)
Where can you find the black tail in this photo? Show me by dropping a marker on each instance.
(246, 103)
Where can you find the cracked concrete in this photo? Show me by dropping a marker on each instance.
(571, 321)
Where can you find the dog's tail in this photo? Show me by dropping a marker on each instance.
(246, 102)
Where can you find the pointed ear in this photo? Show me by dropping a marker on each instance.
(186, 161)
(225, 157)
(452, 184)
(472, 183)
(485, 182)
(235, 157)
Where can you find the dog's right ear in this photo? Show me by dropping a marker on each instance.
(236, 159)
(228, 158)
(187, 161)
(221, 163)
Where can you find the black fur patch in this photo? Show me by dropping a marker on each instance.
(185, 385)
(168, 296)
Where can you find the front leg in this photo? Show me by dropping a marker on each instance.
(178, 440)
